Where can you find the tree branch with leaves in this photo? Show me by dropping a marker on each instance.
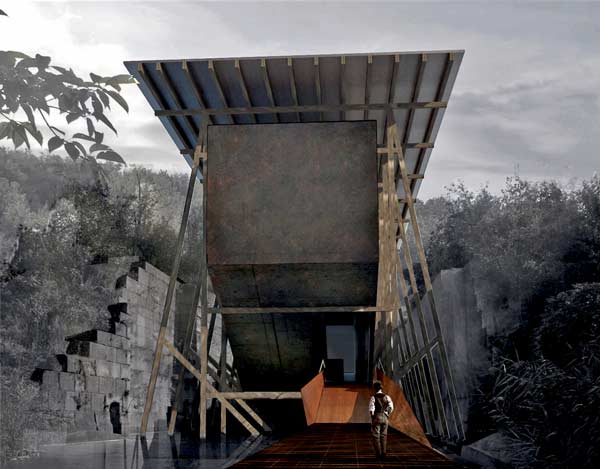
(32, 91)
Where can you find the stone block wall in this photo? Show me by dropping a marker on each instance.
(98, 386)
(144, 290)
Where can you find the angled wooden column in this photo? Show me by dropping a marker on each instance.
(210, 389)
(169, 298)
(419, 390)
(429, 292)
(187, 342)
(223, 374)
(437, 393)
(204, 303)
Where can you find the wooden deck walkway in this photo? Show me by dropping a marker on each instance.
(331, 445)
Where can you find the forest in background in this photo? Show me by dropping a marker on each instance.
(540, 242)
(57, 216)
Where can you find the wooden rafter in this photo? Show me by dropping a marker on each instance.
(243, 87)
(302, 108)
(318, 84)
(368, 84)
(268, 89)
(164, 75)
(217, 82)
(147, 79)
(342, 86)
(196, 88)
(293, 90)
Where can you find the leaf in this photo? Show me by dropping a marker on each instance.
(56, 129)
(119, 99)
(105, 120)
(42, 61)
(19, 136)
(104, 98)
(83, 137)
(5, 129)
(72, 150)
(111, 155)
(122, 79)
(2, 13)
(96, 78)
(71, 117)
(80, 147)
(27, 62)
(27, 108)
(35, 133)
(54, 143)
(99, 137)
(98, 147)
(98, 109)
(90, 126)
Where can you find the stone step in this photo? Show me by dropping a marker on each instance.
(93, 367)
(102, 337)
(55, 382)
(97, 351)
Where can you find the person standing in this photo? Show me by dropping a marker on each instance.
(380, 408)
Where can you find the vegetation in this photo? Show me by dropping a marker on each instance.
(32, 90)
(537, 245)
(55, 219)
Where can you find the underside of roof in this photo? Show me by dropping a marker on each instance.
(413, 86)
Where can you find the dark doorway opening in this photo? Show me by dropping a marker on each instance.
(115, 417)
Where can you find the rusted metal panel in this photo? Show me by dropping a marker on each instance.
(292, 213)
(288, 285)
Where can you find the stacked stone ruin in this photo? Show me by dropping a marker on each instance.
(97, 387)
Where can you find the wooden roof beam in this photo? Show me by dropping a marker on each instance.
(222, 97)
(342, 85)
(368, 84)
(243, 86)
(176, 98)
(303, 108)
(318, 84)
(194, 85)
(268, 88)
(293, 90)
(147, 79)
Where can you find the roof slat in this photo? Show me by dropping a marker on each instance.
(243, 86)
(267, 82)
(149, 82)
(413, 87)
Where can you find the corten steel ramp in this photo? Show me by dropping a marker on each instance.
(335, 445)
(349, 404)
(339, 435)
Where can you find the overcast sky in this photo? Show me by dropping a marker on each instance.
(526, 100)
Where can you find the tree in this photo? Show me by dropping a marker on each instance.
(32, 89)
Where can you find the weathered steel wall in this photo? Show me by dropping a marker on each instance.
(292, 213)
(291, 221)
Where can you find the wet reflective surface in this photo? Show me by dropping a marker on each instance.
(155, 451)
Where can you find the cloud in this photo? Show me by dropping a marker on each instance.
(526, 98)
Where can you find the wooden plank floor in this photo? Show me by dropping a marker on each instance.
(331, 445)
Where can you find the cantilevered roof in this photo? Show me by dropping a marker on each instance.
(416, 86)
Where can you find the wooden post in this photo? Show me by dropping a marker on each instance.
(168, 300)
(223, 373)
(429, 291)
(437, 393)
(204, 302)
(187, 341)
(419, 369)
